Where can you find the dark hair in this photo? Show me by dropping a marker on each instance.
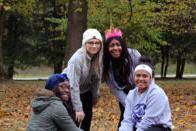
(148, 61)
(124, 61)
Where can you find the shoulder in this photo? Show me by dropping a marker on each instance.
(131, 94)
(157, 92)
(134, 55)
(58, 109)
(57, 105)
(77, 57)
(133, 51)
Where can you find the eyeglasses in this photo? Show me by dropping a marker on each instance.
(94, 43)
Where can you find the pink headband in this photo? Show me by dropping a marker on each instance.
(113, 32)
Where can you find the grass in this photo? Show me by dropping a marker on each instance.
(190, 68)
(45, 71)
(42, 71)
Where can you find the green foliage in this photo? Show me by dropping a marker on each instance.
(147, 24)
(61, 28)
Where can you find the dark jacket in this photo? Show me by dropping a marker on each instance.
(49, 114)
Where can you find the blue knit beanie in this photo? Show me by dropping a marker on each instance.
(54, 80)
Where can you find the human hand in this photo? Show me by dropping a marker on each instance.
(80, 116)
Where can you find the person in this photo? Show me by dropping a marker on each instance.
(84, 72)
(49, 111)
(118, 64)
(147, 106)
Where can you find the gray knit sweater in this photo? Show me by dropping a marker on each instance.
(82, 77)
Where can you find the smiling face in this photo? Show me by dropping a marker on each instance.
(64, 90)
(93, 46)
(142, 80)
(115, 48)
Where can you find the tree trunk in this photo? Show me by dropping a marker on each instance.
(77, 23)
(12, 41)
(166, 65)
(58, 56)
(162, 61)
(182, 67)
(2, 72)
(58, 53)
(178, 66)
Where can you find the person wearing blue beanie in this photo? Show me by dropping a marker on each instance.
(49, 107)
(54, 80)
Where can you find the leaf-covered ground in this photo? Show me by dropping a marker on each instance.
(16, 96)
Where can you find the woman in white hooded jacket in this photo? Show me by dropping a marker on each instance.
(84, 72)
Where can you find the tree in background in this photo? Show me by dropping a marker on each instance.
(2, 71)
(77, 23)
(52, 24)
(172, 27)
(15, 28)
(179, 28)
(134, 17)
(47, 31)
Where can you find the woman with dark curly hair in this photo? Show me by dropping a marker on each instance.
(119, 63)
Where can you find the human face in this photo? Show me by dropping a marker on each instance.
(142, 80)
(115, 48)
(93, 46)
(64, 90)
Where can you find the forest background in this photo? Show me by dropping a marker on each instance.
(45, 33)
(48, 32)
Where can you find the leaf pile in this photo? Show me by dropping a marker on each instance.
(16, 97)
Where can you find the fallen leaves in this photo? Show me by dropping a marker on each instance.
(16, 97)
(182, 97)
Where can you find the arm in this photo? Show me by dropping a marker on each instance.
(62, 119)
(135, 56)
(121, 96)
(126, 124)
(73, 72)
(155, 108)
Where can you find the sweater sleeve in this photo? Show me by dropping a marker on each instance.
(135, 56)
(73, 72)
(155, 108)
(62, 119)
(126, 124)
(121, 96)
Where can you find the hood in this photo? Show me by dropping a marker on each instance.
(43, 100)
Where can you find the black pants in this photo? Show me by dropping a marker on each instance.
(156, 128)
(87, 104)
(122, 109)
